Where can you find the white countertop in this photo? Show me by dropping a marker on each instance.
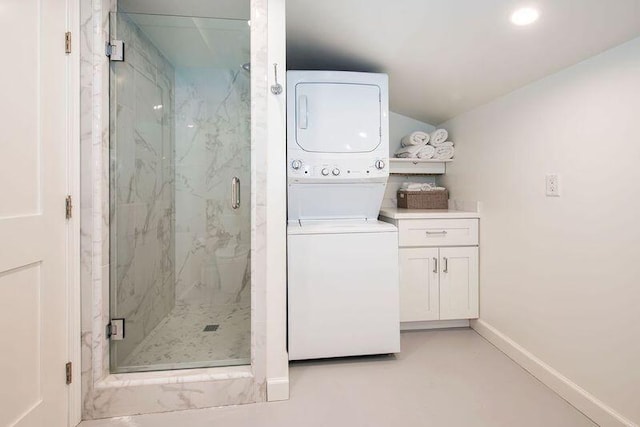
(399, 213)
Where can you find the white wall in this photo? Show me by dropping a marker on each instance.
(561, 276)
(400, 126)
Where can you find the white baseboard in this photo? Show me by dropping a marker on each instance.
(277, 389)
(598, 411)
(433, 324)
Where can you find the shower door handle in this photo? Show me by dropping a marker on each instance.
(235, 192)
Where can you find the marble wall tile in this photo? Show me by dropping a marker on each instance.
(212, 146)
(261, 191)
(162, 396)
(94, 183)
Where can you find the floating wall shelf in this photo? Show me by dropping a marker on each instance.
(417, 166)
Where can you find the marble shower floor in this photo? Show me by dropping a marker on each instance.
(180, 341)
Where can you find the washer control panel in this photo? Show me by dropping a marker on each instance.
(339, 168)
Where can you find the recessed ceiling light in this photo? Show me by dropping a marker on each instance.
(525, 16)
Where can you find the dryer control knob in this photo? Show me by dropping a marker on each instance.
(296, 164)
(379, 164)
(324, 171)
(335, 172)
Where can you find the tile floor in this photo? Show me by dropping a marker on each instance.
(446, 378)
(180, 338)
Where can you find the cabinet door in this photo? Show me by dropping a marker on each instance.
(418, 284)
(458, 283)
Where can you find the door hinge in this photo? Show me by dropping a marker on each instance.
(67, 42)
(114, 50)
(115, 330)
(68, 369)
(68, 207)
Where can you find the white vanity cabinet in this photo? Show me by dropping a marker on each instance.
(438, 259)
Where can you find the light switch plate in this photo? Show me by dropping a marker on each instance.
(553, 185)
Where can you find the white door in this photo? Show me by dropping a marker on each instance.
(338, 117)
(33, 182)
(419, 295)
(458, 283)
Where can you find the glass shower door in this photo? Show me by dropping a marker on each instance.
(180, 193)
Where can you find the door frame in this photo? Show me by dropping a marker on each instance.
(74, 340)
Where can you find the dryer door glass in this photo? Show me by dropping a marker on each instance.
(338, 117)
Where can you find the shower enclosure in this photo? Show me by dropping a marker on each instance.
(180, 167)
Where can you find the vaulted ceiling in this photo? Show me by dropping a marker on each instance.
(444, 57)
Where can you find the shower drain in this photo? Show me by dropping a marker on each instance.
(211, 328)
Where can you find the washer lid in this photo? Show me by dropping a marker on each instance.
(339, 226)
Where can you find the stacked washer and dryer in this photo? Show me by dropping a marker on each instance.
(342, 261)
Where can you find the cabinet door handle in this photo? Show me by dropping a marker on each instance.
(441, 233)
(445, 268)
(435, 265)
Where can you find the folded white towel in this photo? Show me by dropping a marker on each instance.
(445, 152)
(423, 151)
(438, 137)
(406, 152)
(415, 138)
(420, 186)
(426, 152)
(412, 186)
